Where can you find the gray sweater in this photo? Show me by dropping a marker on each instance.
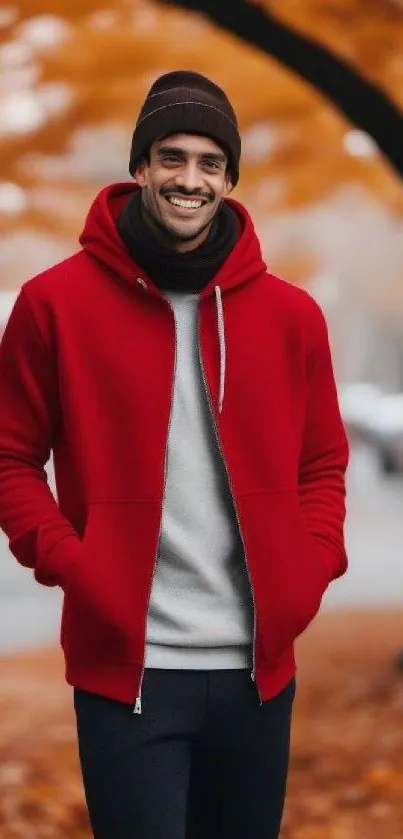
(201, 611)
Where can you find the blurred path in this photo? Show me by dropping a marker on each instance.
(29, 613)
(374, 538)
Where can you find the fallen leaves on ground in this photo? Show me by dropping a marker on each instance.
(346, 778)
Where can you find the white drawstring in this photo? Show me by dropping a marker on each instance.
(221, 339)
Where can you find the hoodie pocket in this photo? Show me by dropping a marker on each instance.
(290, 572)
(107, 592)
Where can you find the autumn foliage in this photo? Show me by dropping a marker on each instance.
(107, 59)
(346, 779)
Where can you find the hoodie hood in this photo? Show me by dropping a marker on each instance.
(100, 239)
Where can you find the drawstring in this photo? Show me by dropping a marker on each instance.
(221, 339)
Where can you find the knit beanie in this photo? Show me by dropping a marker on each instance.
(186, 102)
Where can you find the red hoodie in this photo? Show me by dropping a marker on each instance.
(86, 369)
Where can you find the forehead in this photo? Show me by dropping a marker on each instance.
(194, 144)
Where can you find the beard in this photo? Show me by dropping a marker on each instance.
(170, 233)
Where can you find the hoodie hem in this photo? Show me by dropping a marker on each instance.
(121, 681)
(272, 680)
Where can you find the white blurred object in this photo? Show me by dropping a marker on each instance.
(359, 144)
(85, 156)
(26, 251)
(258, 142)
(376, 418)
(359, 403)
(44, 32)
(388, 415)
(23, 111)
(55, 97)
(386, 432)
(20, 113)
(15, 54)
(325, 288)
(7, 300)
(13, 199)
(18, 78)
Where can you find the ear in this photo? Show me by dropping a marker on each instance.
(228, 184)
(140, 175)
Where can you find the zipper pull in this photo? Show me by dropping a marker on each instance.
(137, 707)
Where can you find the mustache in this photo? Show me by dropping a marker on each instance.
(180, 190)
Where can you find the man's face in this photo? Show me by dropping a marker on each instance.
(183, 184)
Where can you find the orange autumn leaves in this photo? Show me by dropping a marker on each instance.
(346, 778)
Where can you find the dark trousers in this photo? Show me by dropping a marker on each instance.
(204, 760)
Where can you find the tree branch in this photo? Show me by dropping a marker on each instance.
(363, 102)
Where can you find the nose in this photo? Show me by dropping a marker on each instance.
(189, 177)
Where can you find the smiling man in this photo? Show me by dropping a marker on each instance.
(175, 205)
(189, 400)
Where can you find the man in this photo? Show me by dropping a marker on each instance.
(189, 401)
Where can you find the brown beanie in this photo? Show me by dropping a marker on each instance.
(187, 102)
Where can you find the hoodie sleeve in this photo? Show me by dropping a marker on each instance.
(324, 457)
(39, 536)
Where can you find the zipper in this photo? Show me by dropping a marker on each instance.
(137, 708)
(221, 450)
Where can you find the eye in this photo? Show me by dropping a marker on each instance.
(171, 159)
(212, 165)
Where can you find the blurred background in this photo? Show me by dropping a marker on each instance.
(318, 89)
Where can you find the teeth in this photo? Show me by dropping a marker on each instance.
(187, 205)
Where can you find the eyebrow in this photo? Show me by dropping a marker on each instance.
(218, 157)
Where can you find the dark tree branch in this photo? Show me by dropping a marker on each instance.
(363, 102)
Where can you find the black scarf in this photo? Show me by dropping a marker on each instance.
(167, 268)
